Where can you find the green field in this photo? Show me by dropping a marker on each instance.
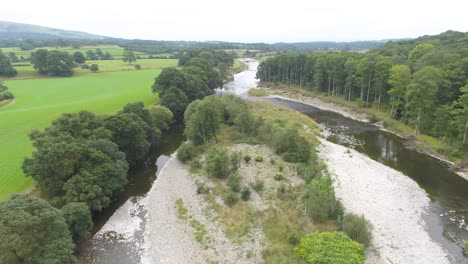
(114, 50)
(28, 72)
(39, 101)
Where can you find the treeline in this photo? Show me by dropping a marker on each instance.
(422, 82)
(202, 72)
(80, 162)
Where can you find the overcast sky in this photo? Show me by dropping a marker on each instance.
(245, 20)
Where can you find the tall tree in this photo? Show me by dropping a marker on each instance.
(129, 56)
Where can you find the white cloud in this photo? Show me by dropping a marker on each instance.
(246, 21)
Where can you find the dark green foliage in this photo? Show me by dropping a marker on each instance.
(202, 188)
(33, 232)
(137, 67)
(235, 159)
(94, 68)
(175, 100)
(129, 56)
(231, 198)
(90, 55)
(247, 158)
(129, 132)
(245, 194)
(78, 57)
(78, 219)
(4, 93)
(258, 185)
(294, 237)
(320, 201)
(292, 146)
(233, 182)
(54, 62)
(279, 177)
(5, 66)
(186, 152)
(357, 227)
(330, 248)
(307, 171)
(217, 162)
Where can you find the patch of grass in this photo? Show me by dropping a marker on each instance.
(40, 101)
(200, 232)
(279, 177)
(258, 185)
(259, 92)
(181, 210)
(259, 159)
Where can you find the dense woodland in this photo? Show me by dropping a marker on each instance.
(422, 82)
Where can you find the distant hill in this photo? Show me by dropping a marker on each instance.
(12, 31)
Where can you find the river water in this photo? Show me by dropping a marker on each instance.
(119, 231)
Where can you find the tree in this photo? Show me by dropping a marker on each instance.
(400, 78)
(129, 56)
(54, 63)
(4, 93)
(137, 67)
(330, 248)
(78, 57)
(461, 114)
(79, 221)
(90, 55)
(168, 78)
(422, 91)
(5, 66)
(75, 161)
(12, 57)
(33, 232)
(175, 100)
(94, 68)
(129, 133)
(162, 116)
(202, 119)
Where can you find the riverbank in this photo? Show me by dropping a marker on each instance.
(392, 202)
(328, 104)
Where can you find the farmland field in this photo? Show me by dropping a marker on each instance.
(39, 101)
(27, 71)
(114, 50)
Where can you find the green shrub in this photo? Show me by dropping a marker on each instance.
(292, 146)
(307, 171)
(186, 152)
(357, 228)
(6, 95)
(217, 163)
(231, 199)
(202, 188)
(234, 182)
(137, 66)
(94, 68)
(196, 165)
(294, 237)
(235, 161)
(245, 194)
(259, 159)
(320, 201)
(373, 119)
(247, 158)
(279, 177)
(282, 188)
(257, 185)
(330, 248)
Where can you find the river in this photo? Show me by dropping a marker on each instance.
(119, 232)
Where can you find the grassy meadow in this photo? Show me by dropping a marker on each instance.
(39, 101)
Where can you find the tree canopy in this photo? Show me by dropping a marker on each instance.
(33, 232)
(5, 66)
(54, 62)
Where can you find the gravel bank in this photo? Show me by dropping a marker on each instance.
(392, 202)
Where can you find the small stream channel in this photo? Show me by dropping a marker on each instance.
(119, 231)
